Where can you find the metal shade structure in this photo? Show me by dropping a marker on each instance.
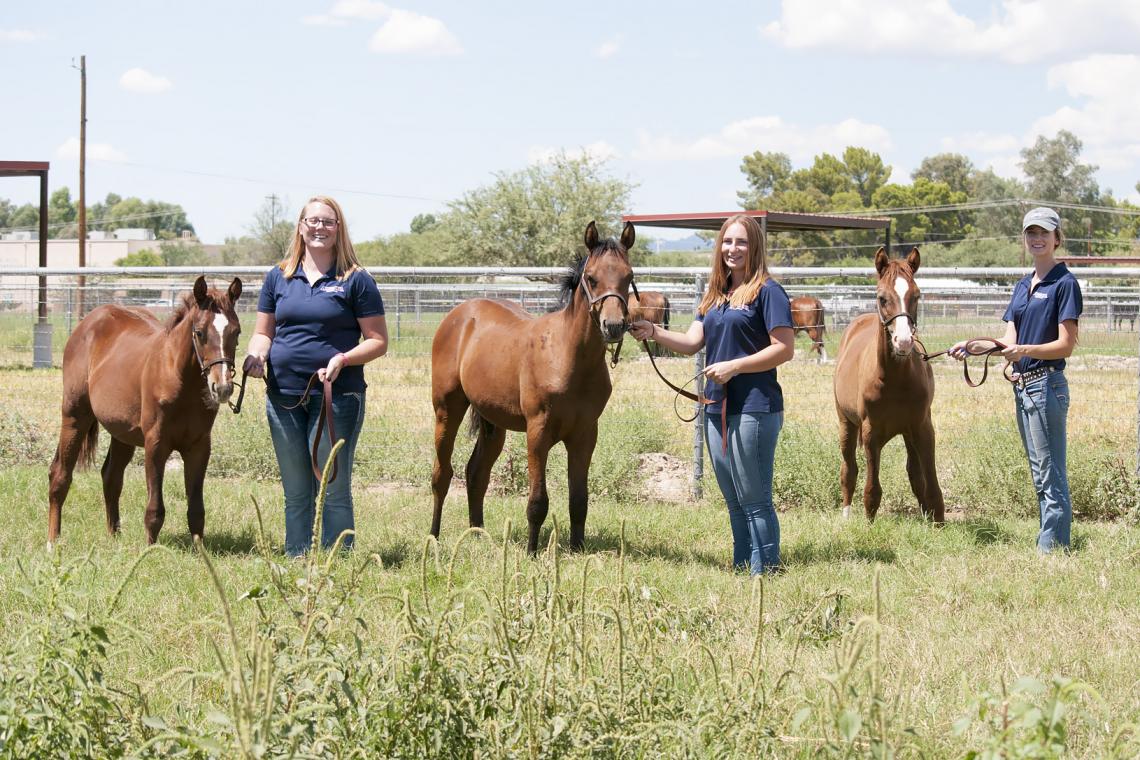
(42, 335)
(770, 221)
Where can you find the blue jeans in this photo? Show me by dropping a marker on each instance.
(1042, 408)
(744, 475)
(293, 431)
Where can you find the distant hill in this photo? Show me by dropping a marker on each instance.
(690, 243)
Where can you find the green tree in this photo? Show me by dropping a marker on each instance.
(954, 169)
(765, 173)
(867, 172)
(1056, 173)
(60, 208)
(144, 258)
(423, 222)
(536, 217)
(272, 231)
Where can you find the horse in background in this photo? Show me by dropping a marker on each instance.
(150, 385)
(652, 306)
(545, 376)
(807, 316)
(883, 388)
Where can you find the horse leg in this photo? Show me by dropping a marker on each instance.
(538, 444)
(487, 449)
(449, 413)
(934, 507)
(119, 455)
(194, 463)
(872, 490)
(579, 452)
(156, 455)
(77, 433)
(849, 470)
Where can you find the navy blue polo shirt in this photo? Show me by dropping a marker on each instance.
(315, 322)
(1037, 312)
(732, 332)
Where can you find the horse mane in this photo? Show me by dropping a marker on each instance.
(186, 303)
(569, 280)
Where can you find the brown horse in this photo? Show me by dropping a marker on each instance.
(883, 388)
(807, 316)
(149, 385)
(545, 376)
(652, 306)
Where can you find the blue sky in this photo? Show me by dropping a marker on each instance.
(397, 108)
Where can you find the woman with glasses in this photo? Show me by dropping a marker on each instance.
(319, 312)
(1040, 333)
(744, 322)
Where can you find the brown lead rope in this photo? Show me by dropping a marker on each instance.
(700, 398)
(324, 420)
(973, 349)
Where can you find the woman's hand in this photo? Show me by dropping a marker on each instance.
(722, 372)
(958, 350)
(643, 329)
(254, 365)
(1015, 352)
(332, 371)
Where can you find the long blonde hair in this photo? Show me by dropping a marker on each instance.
(755, 268)
(346, 261)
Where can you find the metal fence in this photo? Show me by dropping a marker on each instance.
(40, 307)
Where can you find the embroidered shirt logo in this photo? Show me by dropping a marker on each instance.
(332, 289)
(1041, 296)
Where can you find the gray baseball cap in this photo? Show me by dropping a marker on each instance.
(1045, 218)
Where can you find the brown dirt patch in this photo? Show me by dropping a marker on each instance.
(665, 477)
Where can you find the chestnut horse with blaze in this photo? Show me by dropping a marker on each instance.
(883, 388)
(807, 316)
(149, 385)
(545, 376)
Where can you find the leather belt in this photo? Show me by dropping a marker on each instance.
(1034, 374)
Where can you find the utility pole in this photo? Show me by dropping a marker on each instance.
(272, 209)
(82, 180)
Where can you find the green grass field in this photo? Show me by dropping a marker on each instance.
(887, 639)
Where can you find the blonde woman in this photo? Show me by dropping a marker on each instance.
(319, 311)
(744, 323)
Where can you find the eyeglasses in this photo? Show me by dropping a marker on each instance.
(315, 221)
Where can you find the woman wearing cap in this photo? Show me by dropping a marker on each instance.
(744, 323)
(1040, 333)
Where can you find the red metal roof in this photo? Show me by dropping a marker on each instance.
(22, 168)
(775, 221)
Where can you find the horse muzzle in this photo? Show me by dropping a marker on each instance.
(613, 332)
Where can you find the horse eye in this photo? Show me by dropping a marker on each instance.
(591, 280)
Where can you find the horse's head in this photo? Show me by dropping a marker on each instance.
(605, 280)
(214, 331)
(897, 296)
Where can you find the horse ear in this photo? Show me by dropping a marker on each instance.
(912, 259)
(628, 235)
(591, 236)
(881, 260)
(235, 290)
(200, 289)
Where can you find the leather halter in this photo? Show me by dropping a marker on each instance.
(593, 300)
(324, 420)
(207, 366)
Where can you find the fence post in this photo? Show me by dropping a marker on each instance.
(695, 490)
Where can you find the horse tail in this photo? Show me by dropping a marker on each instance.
(476, 424)
(88, 447)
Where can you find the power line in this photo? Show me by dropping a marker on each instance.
(105, 220)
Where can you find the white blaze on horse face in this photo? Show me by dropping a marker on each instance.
(221, 321)
(901, 331)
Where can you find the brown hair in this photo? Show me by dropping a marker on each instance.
(755, 268)
(346, 261)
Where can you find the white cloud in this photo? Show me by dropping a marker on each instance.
(599, 150)
(344, 10)
(18, 35)
(1021, 31)
(981, 142)
(608, 48)
(141, 80)
(408, 32)
(766, 133)
(95, 151)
